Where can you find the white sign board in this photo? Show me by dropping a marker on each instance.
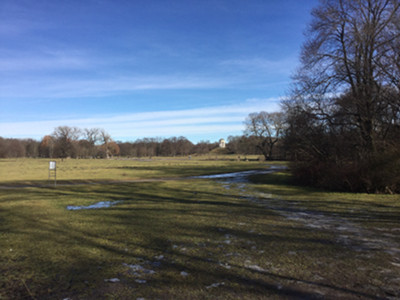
(52, 165)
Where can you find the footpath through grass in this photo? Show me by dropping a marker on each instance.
(195, 238)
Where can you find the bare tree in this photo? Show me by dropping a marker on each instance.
(344, 109)
(266, 128)
(184, 146)
(65, 140)
(106, 140)
(353, 49)
(92, 137)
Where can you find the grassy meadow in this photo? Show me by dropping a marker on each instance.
(170, 236)
(36, 171)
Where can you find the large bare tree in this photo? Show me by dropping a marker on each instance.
(66, 138)
(345, 106)
(91, 138)
(266, 128)
(352, 49)
(108, 146)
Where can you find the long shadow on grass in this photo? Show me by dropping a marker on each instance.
(156, 194)
(270, 283)
(257, 282)
(355, 210)
(190, 170)
(72, 253)
(73, 269)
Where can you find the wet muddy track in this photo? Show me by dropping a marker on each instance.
(349, 234)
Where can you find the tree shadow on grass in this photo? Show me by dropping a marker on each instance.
(71, 253)
(349, 206)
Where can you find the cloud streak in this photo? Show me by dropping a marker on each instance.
(73, 88)
(59, 74)
(282, 66)
(42, 61)
(192, 123)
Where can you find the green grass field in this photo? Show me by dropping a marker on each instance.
(177, 237)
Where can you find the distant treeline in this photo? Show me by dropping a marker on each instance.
(178, 146)
(72, 142)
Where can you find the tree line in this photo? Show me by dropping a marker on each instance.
(72, 142)
(64, 142)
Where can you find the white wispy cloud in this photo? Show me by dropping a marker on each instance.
(223, 120)
(75, 87)
(258, 64)
(52, 72)
(45, 60)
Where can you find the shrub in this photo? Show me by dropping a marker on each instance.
(379, 174)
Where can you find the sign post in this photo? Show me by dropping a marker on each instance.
(53, 172)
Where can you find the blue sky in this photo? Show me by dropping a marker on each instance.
(151, 68)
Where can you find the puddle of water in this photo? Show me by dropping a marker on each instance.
(101, 204)
(240, 176)
(233, 175)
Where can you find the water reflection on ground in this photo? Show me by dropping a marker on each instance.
(241, 176)
(101, 204)
(235, 177)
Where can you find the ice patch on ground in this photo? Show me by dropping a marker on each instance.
(255, 268)
(101, 204)
(139, 270)
(141, 281)
(224, 265)
(113, 280)
(215, 285)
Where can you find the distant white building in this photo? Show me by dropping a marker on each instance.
(222, 143)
